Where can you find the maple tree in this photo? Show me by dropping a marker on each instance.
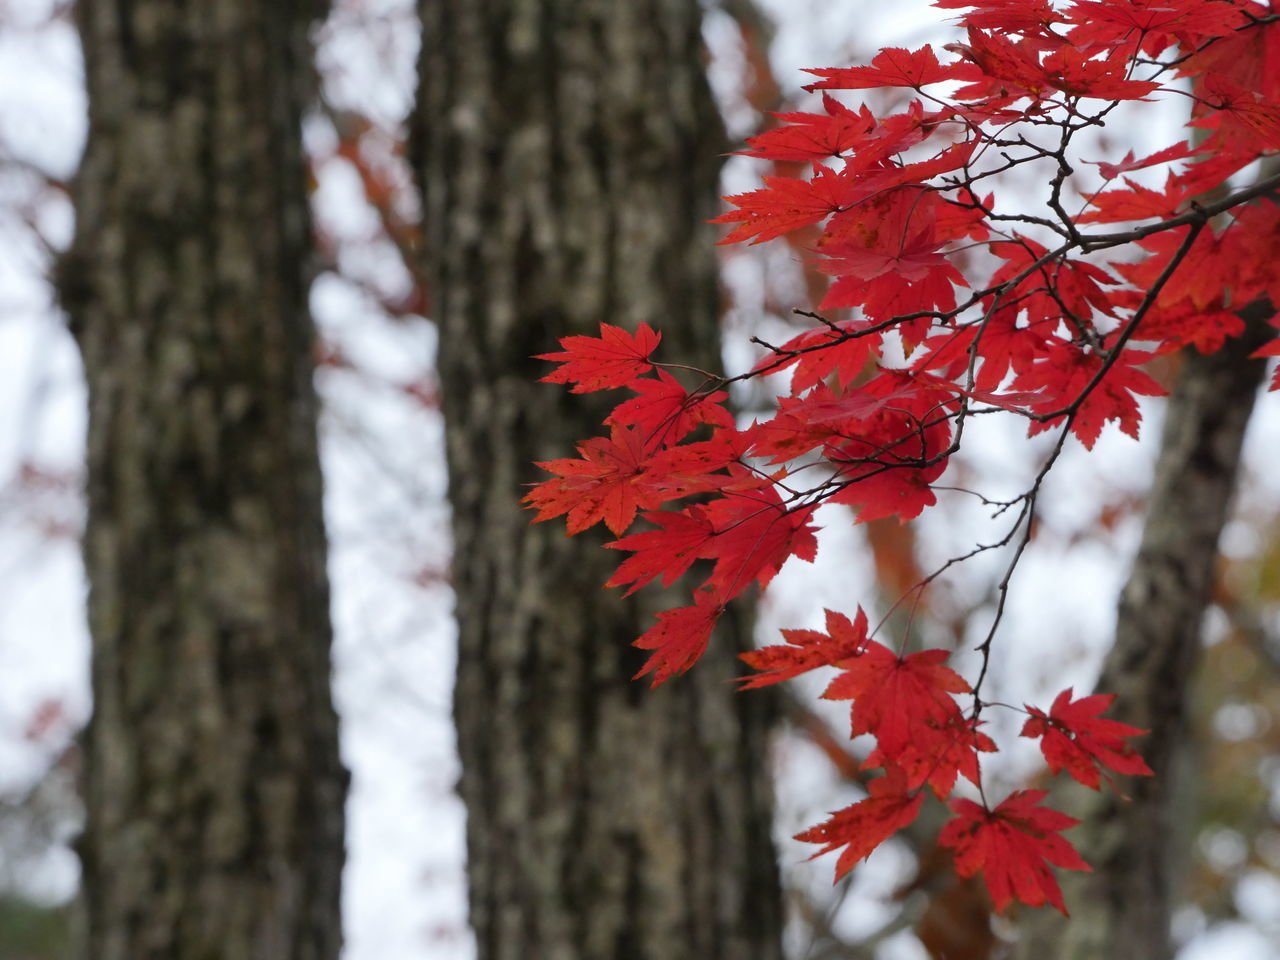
(946, 305)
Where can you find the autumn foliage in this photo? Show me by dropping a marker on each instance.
(944, 304)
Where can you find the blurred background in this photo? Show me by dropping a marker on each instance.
(388, 521)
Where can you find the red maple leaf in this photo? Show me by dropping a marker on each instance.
(692, 465)
(614, 479)
(1242, 119)
(1136, 202)
(1250, 242)
(807, 650)
(899, 700)
(667, 552)
(1063, 376)
(1172, 328)
(868, 823)
(1237, 75)
(1149, 27)
(841, 349)
(939, 760)
(785, 204)
(889, 244)
(1179, 151)
(888, 460)
(892, 491)
(1076, 738)
(891, 67)
(821, 416)
(1200, 275)
(1014, 16)
(616, 358)
(1003, 69)
(806, 137)
(679, 637)
(666, 413)
(1013, 845)
(755, 535)
(1071, 71)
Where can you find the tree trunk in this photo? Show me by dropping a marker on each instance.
(1122, 911)
(213, 786)
(568, 151)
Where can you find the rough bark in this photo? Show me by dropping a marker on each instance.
(213, 786)
(568, 153)
(1123, 909)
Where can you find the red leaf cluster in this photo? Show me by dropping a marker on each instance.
(942, 306)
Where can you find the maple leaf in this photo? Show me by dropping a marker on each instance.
(868, 823)
(1241, 59)
(755, 535)
(890, 491)
(1014, 16)
(1003, 69)
(1170, 328)
(1076, 738)
(899, 700)
(939, 760)
(1012, 845)
(1065, 372)
(667, 552)
(785, 437)
(823, 415)
(807, 137)
(616, 358)
(666, 413)
(1071, 71)
(1145, 26)
(1202, 271)
(842, 349)
(1136, 202)
(949, 352)
(1242, 119)
(825, 405)
(692, 465)
(614, 479)
(785, 204)
(887, 460)
(807, 650)
(886, 247)
(679, 637)
(1250, 242)
(1047, 285)
(1211, 171)
(1179, 151)
(913, 174)
(891, 67)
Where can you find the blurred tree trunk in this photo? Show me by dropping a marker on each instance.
(1123, 909)
(568, 153)
(213, 785)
